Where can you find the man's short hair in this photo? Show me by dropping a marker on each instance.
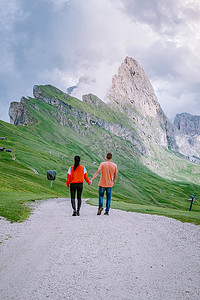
(109, 156)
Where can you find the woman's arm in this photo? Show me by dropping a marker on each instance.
(68, 181)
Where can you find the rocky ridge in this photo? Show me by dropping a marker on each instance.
(132, 98)
(74, 117)
(188, 124)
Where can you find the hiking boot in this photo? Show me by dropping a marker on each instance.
(78, 214)
(99, 210)
(74, 213)
(106, 213)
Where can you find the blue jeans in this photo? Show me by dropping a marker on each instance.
(108, 196)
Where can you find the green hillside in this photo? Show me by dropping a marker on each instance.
(47, 145)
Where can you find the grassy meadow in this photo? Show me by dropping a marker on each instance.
(47, 145)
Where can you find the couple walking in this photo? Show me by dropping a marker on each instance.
(75, 178)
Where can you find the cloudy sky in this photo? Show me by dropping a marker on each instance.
(65, 42)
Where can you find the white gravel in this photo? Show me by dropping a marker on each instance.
(121, 256)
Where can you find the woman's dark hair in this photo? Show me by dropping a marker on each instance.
(76, 161)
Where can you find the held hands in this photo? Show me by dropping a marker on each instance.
(90, 182)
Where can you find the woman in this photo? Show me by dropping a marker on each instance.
(75, 177)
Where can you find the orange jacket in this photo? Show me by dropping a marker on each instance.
(77, 176)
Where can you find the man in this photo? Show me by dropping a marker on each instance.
(108, 175)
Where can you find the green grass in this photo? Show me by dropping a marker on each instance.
(15, 206)
(47, 145)
(181, 215)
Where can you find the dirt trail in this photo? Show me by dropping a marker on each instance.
(122, 256)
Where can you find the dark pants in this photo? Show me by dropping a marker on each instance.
(73, 188)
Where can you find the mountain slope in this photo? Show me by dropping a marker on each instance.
(56, 128)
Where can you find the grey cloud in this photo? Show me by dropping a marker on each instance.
(165, 59)
(60, 41)
(151, 12)
(36, 37)
(165, 16)
(31, 44)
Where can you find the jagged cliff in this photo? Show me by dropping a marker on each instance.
(18, 113)
(188, 137)
(132, 93)
(188, 124)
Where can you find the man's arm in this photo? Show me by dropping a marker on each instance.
(115, 176)
(95, 175)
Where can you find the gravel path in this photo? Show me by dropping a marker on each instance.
(122, 256)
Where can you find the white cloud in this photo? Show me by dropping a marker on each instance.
(58, 2)
(104, 36)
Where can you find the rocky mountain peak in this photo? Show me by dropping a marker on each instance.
(188, 124)
(132, 92)
(132, 87)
